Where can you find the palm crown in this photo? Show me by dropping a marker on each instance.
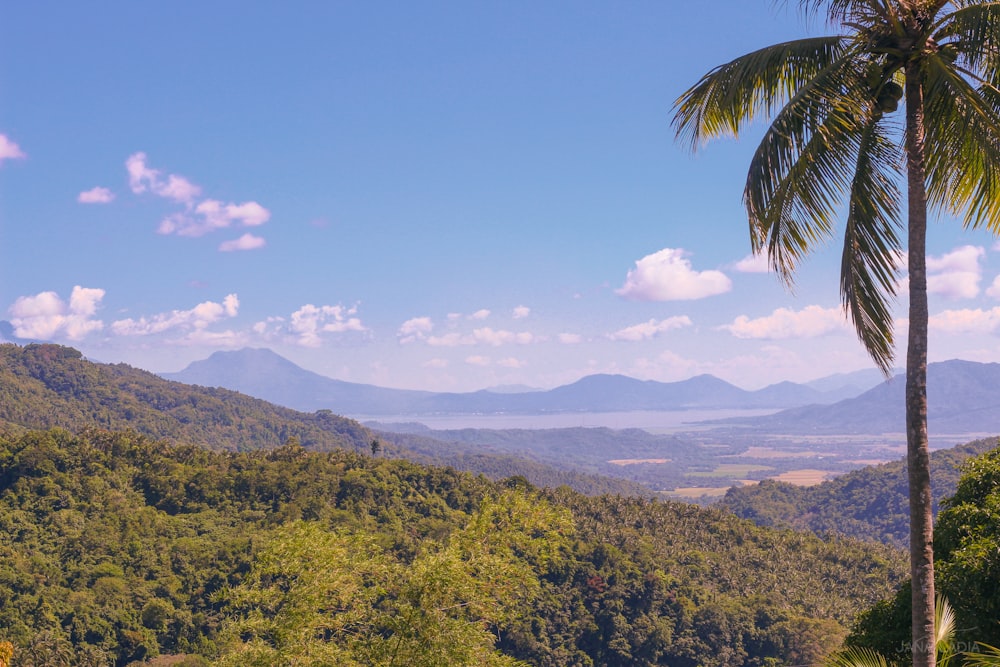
(834, 142)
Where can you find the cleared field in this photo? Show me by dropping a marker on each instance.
(804, 477)
(772, 453)
(734, 470)
(699, 492)
(629, 462)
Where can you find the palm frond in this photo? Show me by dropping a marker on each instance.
(803, 166)
(973, 33)
(962, 146)
(944, 631)
(759, 83)
(856, 656)
(871, 245)
(989, 656)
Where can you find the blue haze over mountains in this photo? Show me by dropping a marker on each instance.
(264, 374)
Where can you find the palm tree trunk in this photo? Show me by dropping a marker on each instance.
(917, 449)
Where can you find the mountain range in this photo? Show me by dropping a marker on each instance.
(264, 374)
(962, 398)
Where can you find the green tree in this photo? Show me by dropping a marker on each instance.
(321, 597)
(834, 141)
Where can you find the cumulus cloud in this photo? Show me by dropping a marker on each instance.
(143, 178)
(415, 329)
(966, 321)
(9, 150)
(308, 322)
(650, 329)
(496, 338)
(206, 338)
(197, 217)
(753, 264)
(955, 275)
(994, 289)
(809, 322)
(453, 339)
(211, 215)
(569, 338)
(481, 314)
(246, 242)
(667, 276)
(197, 318)
(96, 195)
(46, 316)
(521, 312)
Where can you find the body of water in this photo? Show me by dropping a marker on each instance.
(654, 421)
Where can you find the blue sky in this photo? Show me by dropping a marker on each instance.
(434, 195)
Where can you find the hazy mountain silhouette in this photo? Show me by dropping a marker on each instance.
(962, 397)
(264, 374)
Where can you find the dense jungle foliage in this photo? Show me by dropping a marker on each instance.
(869, 503)
(44, 386)
(966, 566)
(119, 548)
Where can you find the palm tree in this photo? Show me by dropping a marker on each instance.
(836, 144)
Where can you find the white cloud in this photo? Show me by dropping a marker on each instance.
(197, 218)
(966, 321)
(511, 362)
(520, 312)
(415, 329)
(204, 337)
(197, 318)
(309, 321)
(477, 360)
(667, 276)
(994, 289)
(142, 178)
(480, 314)
(453, 339)
(753, 264)
(809, 322)
(569, 338)
(211, 215)
(246, 242)
(647, 330)
(956, 274)
(9, 150)
(435, 363)
(497, 338)
(96, 195)
(46, 316)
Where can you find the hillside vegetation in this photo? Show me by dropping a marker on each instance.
(120, 548)
(869, 503)
(44, 386)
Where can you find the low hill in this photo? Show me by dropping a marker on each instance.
(262, 373)
(42, 386)
(870, 503)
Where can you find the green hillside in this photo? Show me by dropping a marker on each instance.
(119, 548)
(870, 503)
(45, 386)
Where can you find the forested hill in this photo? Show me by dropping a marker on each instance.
(870, 503)
(118, 548)
(44, 386)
